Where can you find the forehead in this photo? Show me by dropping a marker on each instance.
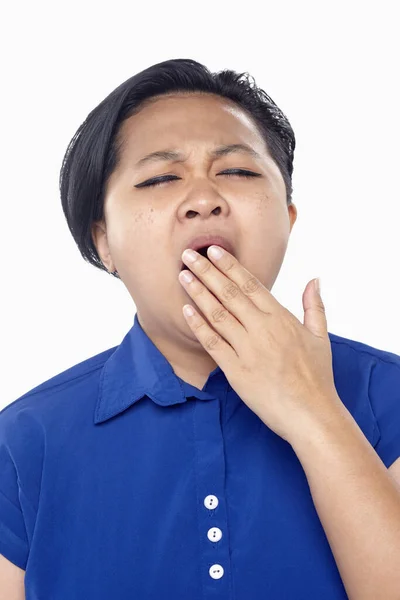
(173, 119)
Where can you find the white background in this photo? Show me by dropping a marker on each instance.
(333, 68)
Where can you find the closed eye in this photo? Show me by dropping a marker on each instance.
(160, 180)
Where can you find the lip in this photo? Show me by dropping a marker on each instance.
(208, 240)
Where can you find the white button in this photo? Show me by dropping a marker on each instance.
(211, 501)
(214, 534)
(216, 571)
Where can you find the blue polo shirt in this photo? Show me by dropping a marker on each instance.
(120, 480)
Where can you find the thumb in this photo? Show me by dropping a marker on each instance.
(314, 310)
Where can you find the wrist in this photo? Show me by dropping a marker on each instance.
(322, 427)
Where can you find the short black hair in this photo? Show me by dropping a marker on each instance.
(94, 152)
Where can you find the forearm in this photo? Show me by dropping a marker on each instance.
(358, 504)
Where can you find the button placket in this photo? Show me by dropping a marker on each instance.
(214, 534)
(212, 511)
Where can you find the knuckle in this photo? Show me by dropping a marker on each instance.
(212, 341)
(230, 266)
(219, 315)
(198, 326)
(204, 267)
(229, 291)
(200, 289)
(251, 285)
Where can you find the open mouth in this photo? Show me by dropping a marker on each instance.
(202, 251)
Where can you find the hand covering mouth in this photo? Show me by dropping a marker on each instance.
(202, 243)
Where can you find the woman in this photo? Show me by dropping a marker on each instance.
(237, 453)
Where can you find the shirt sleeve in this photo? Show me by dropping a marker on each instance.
(385, 401)
(13, 536)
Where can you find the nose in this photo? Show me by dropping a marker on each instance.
(203, 198)
(205, 211)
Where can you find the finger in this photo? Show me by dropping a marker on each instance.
(314, 311)
(222, 352)
(221, 284)
(219, 317)
(249, 285)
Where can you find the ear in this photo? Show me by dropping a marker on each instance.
(99, 236)
(292, 214)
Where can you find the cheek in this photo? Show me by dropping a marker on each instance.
(276, 224)
(267, 226)
(275, 250)
(126, 236)
(264, 250)
(276, 236)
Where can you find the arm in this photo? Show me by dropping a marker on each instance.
(11, 580)
(358, 504)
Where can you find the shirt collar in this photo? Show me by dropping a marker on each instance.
(136, 369)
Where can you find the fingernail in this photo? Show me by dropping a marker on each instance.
(189, 255)
(186, 276)
(215, 252)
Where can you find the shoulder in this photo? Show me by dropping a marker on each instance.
(35, 430)
(359, 363)
(367, 380)
(362, 369)
(36, 426)
(361, 352)
(55, 396)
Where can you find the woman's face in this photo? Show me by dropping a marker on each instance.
(145, 228)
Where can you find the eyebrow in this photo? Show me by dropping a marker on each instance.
(173, 155)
